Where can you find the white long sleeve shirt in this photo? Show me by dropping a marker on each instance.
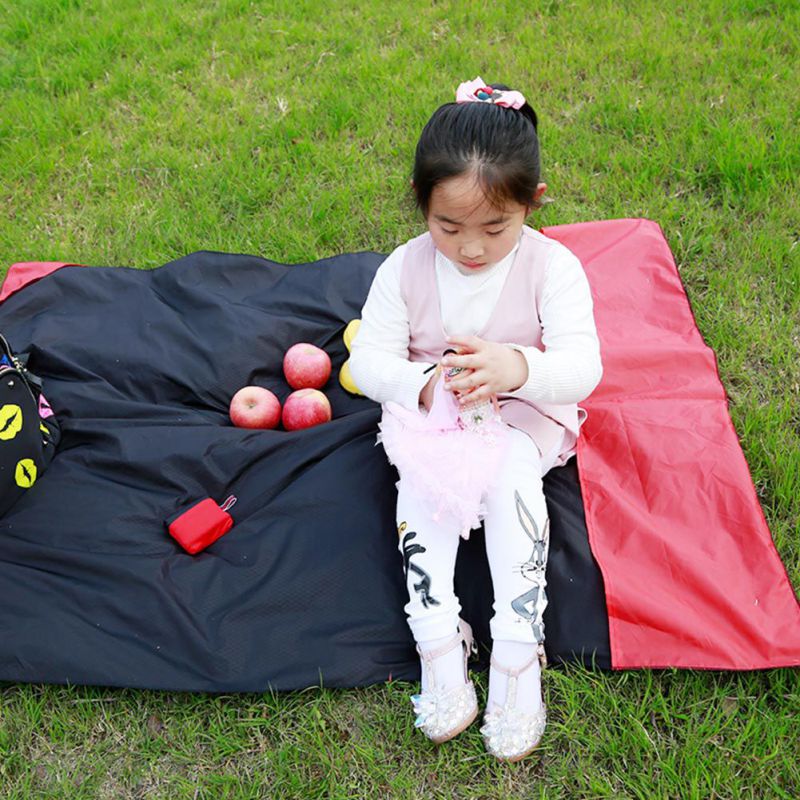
(566, 372)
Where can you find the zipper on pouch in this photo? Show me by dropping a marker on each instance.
(21, 372)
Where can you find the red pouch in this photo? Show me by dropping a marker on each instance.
(201, 525)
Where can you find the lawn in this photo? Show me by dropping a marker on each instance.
(132, 133)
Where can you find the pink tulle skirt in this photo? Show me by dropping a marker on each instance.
(449, 464)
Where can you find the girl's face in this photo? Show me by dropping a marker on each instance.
(467, 229)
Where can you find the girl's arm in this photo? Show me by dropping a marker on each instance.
(570, 367)
(379, 353)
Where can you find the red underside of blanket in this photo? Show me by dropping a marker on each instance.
(692, 577)
(24, 272)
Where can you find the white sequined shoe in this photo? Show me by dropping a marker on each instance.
(444, 713)
(511, 734)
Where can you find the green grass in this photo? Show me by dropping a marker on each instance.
(132, 133)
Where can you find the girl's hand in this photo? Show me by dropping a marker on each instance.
(494, 368)
(426, 395)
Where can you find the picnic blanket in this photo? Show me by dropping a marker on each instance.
(660, 555)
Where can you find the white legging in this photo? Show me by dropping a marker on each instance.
(517, 542)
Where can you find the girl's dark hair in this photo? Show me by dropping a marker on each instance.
(499, 144)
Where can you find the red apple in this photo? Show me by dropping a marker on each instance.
(304, 409)
(255, 407)
(306, 366)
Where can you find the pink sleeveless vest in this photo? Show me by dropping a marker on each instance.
(515, 318)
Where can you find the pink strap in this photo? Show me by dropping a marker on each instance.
(443, 414)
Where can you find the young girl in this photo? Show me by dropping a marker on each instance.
(478, 339)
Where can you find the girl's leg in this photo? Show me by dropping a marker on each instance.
(429, 557)
(517, 543)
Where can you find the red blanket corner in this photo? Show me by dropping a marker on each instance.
(692, 576)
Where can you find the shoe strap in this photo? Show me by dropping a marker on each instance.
(430, 655)
(513, 672)
(464, 634)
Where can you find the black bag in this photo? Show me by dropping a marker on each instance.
(29, 432)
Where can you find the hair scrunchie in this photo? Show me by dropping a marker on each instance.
(478, 92)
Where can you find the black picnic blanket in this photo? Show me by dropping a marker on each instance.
(307, 588)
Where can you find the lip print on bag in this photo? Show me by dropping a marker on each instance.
(29, 432)
(10, 421)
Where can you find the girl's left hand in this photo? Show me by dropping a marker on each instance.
(495, 369)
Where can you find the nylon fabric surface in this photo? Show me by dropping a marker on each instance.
(307, 587)
(659, 556)
(691, 574)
